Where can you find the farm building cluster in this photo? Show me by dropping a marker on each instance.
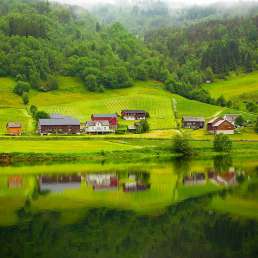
(218, 125)
(98, 124)
(109, 123)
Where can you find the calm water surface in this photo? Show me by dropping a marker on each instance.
(181, 209)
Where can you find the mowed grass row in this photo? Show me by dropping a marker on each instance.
(235, 86)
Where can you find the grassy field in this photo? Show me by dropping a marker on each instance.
(73, 99)
(64, 146)
(235, 86)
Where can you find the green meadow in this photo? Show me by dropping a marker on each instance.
(235, 86)
(73, 99)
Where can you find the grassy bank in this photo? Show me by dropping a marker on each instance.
(116, 149)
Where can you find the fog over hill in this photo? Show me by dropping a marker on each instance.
(171, 3)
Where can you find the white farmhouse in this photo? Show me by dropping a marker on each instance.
(96, 127)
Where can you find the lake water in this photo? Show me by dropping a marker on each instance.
(181, 209)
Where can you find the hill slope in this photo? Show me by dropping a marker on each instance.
(73, 99)
(235, 86)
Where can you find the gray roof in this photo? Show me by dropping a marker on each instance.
(104, 115)
(93, 123)
(14, 125)
(193, 119)
(59, 121)
(58, 116)
(231, 117)
(133, 111)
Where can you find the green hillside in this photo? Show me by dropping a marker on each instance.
(73, 99)
(235, 86)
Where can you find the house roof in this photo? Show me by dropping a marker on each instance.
(58, 116)
(218, 123)
(215, 119)
(14, 125)
(105, 115)
(133, 111)
(193, 119)
(231, 117)
(93, 123)
(59, 121)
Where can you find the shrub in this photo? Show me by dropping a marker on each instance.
(222, 143)
(240, 121)
(33, 110)
(25, 98)
(142, 127)
(182, 146)
(21, 87)
(41, 115)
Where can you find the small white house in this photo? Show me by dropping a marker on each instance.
(96, 127)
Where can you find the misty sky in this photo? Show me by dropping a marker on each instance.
(92, 2)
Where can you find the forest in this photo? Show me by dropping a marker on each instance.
(39, 40)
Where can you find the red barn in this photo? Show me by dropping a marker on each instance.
(14, 128)
(111, 118)
(220, 126)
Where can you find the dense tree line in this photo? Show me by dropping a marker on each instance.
(39, 40)
(201, 52)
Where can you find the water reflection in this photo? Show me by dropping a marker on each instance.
(103, 182)
(59, 183)
(58, 211)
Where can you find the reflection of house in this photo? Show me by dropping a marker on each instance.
(111, 118)
(137, 182)
(59, 183)
(227, 178)
(220, 126)
(102, 181)
(193, 122)
(194, 179)
(14, 128)
(98, 127)
(135, 187)
(14, 182)
(58, 124)
(134, 114)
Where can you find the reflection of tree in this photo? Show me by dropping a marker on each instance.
(187, 230)
(182, 167)
(222, 163)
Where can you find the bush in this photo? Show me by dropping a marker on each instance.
(240, 121)
(49, 85)
(222, 143)
(33, 110)
(25, 98)
(21, 87)
(142, 127)
(41, 115)
(182, 146)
